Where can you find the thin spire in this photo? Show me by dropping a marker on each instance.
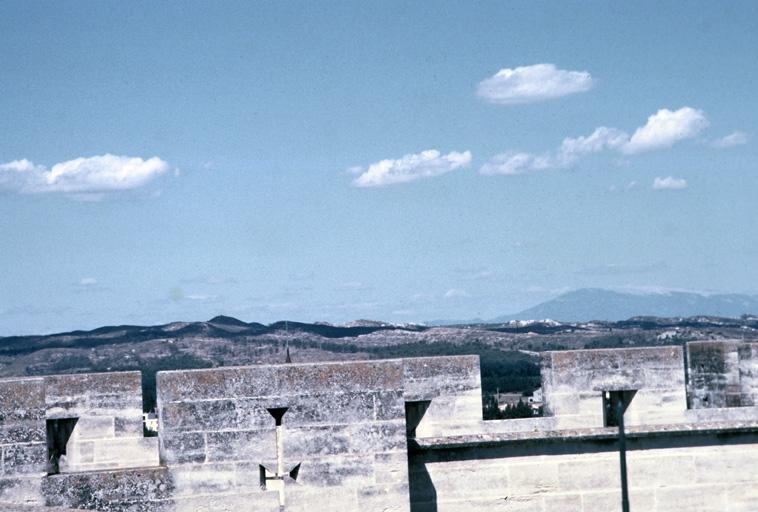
(288, 359)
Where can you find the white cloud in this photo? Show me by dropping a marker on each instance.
(571, 150)
(511, 163)
(456, 293)
(669, 183)
(410, 167)
(603, 138)
(88, 281)
(94, 175)
(529, 84)
(733, 139)
(665, 128)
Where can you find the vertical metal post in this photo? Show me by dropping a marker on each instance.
(280, 461)
(622, 455)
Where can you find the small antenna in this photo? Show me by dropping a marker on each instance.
(287, 359)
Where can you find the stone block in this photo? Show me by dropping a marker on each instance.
(426, 378)
(602, 501)
(182, 448)
(344, 408)
(216, 384)
(22, 459)
(249, 446)
(741, 497)
(21, 400)
(213, 415)
(536, 477)
(20, 489)
(511, 503)
(384, 498)
(391, 468)
(339, 408)
(82, 452)
(470, 480)
(656, 468)
(107, 490)
(724, 464)
(127, 452)
(340, 377)
(306, 442)
(259, 501)
(207, 479)
(564, 503)
(23, 431)
(94, 427)
(93, 394)
(303, 499)
(337, 471)
(594, 472)
(692, 499)
(128, 426)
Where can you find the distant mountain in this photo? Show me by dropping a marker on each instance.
(596, 304)
(227, 320)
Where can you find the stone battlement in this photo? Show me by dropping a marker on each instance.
(390, 435)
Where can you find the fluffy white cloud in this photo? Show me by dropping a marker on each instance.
(512, 163)
(669, 183)
(81, 176)
(733, 139)
(571, 150)
(411, 167)
(529, 84)
(665, 128)
(601, 139)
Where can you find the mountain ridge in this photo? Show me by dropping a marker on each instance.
(587, 304)
(598, 304)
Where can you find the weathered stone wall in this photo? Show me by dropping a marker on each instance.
(344, 425)
(678, 459)
(344, 431)
(23, 447)
(107, 435)
(573, 383)
(393, 435)
(450, 387)
(722, 374)
(693, 473)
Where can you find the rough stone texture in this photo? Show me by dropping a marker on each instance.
(345, 425)
(135, 489)
(23, 448)
(678, 459)
(722, 374)
(117, 394)
(573, 383)
(14, 507)
(712, 472)
(99, 401)
(452, 385)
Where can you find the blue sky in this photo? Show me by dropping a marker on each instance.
(401, 161)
